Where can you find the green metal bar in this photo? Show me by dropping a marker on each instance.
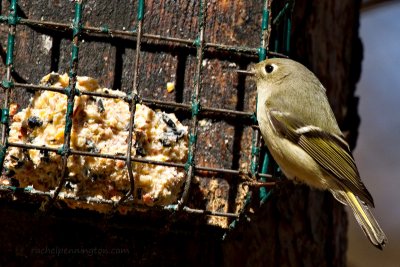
(287, 33)
(147, 37)
(204, 212)
(281, 13)
(3, 151)
(198, 169)
(265, 18)
(71, 92)
(12, 22)
(265, 30)
(132, 107)
(264, 193)
(13, 18)
(171, 208)
(248, 117)
(190, 169)
(285, 15)
(10, 48)
(4, 115)
(140, 13)
(266, 34)
(105, 29)
(256, 139)
(8, 83)
(77, 26)
(262, 54)
(276, 45)
(255, 151)
(242, 215)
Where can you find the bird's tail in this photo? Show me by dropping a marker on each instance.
(364, 218)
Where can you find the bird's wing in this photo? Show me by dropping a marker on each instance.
(330, 151)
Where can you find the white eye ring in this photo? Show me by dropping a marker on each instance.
(269, 68)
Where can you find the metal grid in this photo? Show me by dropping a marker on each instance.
(281, 43)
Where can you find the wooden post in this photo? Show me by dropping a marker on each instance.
(295, 227)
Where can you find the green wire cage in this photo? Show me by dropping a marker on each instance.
(274, 40)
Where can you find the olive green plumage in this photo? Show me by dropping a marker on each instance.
(301, 132)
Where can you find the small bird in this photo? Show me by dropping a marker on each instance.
(302, 134)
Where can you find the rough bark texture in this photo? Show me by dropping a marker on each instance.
(296, 227)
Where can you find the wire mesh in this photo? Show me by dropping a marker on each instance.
(281, 42)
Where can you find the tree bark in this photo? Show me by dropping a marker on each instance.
(295, 227)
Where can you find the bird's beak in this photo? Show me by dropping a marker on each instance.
(246, 72)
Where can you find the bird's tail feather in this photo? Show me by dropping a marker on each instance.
(364, 217)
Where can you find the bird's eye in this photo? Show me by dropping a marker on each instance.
(269, 68)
